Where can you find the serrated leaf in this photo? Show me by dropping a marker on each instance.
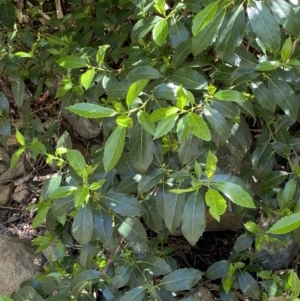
(165, 126)
(155, 265)
(145, 121)
(217, 269)
(7, 16)
(189, 79)
(182, 279)
(77, 161)
(193, 218)
(82, 280)
(142, 72)
(135, 89)
(136, 294)
(113, 148)
(132, 229)
(89, 110)
(118, 90)
(141, 148)
(248, 285)
(151, 215)
(217, 204)
(235, 193)
(264, 25)
(177, 33)
(230, 95)
(160, 32)
(87, 77)
(122, 204)
(204, 17)
(286, 224)
(198, 126)
(72, 62)
(83, 225)
(181, 52)
(264, 96)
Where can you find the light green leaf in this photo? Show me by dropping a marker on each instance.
(51, 185)
(160, 32)
(77, 161)
(182, 279)
(89, 110)
(63, 191)
(264, 25)
(193, 218)
(86, 78)
(287, 49)
(198, 127)
(230, 95)
(132, 229)
(142, 27)
(72, 62)
(141, 148)
(82, 280)
(124, 121)
(80, 196)
(204, 17)
(83, 225)
(289, 190)
(248, 285)
(20, 138)
(155, 265)
(136, 294)
(16, 157)
(142, 72)
(165, 126)
(267, 66)
(18, 89)
(7, 16)
(235, 193)
(177, 33)
(122, 204)
(101, 53)
(4, 298)
(113, 148)
(286, 224)
(135, 89)
(217, 204)
(40, 217)
(211, 164)
(145, 121)
(189, 79)
(160, 6)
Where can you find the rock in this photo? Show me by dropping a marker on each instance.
(200, 293)
(18, 263)
(21, 193)
(86, 128)
(280, 256)
(5, 193)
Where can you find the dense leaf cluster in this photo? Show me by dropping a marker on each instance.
(171, 82)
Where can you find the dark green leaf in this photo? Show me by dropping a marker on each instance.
(155, 265)
(132, 229)
(198, 127)
(4, 104)
(83, 225)
(40, 217)
(143, 26)
(103, 226)
(118, 90)
(248, 285)
(193, 218)
(217, 270)
(72, 62)
(181, 52)
(142, 72)
(177, 33)
(273, 179)
(264, 96)
(160, 32)
(18, 89)
(62, 191)
(82, 280)
(5, 127)
(165, 91)
(113, 148)
(51, 185)
(151, 216)
(62, 206)
(150, 179)
(136, 294)
(243, 242)
(89, 110)
(122, 276)
(182, 279)
(7, 16)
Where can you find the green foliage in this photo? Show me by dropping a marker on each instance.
(170, 83)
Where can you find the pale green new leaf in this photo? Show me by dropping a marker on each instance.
(287, 49)
(135, 89)
(89, 110)
(72, 62)
(143, 26)
(286, 224)
(182, 279)
(193, 218)
(165, 126)
(83, 225)
(230, 95)
(217, 204)
(101, 53)
(204, 17)
(87, 77)
(16, 157)
(40, 217)
(235, 193)
(113, 148)
(80, 196)
(198, 127)
(211, 164)
(160, 32)
(77, 161)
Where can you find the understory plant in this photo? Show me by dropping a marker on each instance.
(171, 83)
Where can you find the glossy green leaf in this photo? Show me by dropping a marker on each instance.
(113, 148)
(20, 138)
(160, 32)
(165, 126)
(16, 157)
(7, 16)
(118, 90)
(289, 190)
(40, 217)
(177, 33)
(141, 148)
(132, 229)
(18, 89)
(189, 79)
(89, 110)
(150, 179)
(211, 164)
(217, 204)
(165, 91)
(62, 206)
(136, 294)
(267, 66)
(143, 26)
(155, 265)
(181, 52)
(243, 242)
(230, 95)
(287, 49)
(198, 127)
(122, 276)
(145, 121)
(264, 96)
(72, 62)
(122, 204)
(182, 279)
(264, 25)
(87, 77)
(235, 193)
(284, 96)
(204, 17)
(51, 185)
(248, 285)
(193, 218)
(83, 225)
(217, 270)
(231, 33)
(286, 224)
(101, 53)
(103, 226)
(80, 196)
(151, 215)
(135, 89)
(82, 280)
(63, 191)
(142, 72)
(76, 160)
